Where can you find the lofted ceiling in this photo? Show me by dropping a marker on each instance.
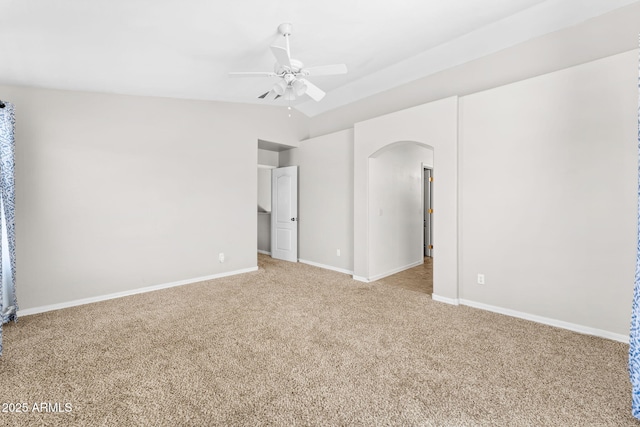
(185, 48)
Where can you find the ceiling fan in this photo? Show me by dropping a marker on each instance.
(291, 73)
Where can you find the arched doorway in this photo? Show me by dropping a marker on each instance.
(432, 125)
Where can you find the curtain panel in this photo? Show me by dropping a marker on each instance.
(634, 337)
(8, 302)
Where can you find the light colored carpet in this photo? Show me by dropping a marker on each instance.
(418, 279)
(293, 344)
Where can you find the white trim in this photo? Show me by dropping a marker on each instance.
(260, 251)
(326, 267)
(396, 270)
(549, 321)
(267, 166)
(360, 279)
(52, 307)
(452, 301)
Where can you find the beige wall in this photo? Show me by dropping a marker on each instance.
(325, 199)
(268, 158)
(115, 193)
(548, 194)
(264, 188)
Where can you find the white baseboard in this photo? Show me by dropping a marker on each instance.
(260, 251)
(451, 301)
(52, 307)
(327, 267)
(395, 270)
(548, 321)
(500, 310)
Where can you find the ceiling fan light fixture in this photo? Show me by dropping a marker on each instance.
(299, 87)
(289, 94)
(280, 87)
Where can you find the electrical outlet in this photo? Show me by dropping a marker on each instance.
(480, 279)
(337, 252)
(221, 257)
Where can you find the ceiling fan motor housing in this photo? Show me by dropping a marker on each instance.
(296, 67)
(285, 29)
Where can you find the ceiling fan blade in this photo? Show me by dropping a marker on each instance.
(313, 91)
(326, 70)
(282, 56)
(269, 95)
(252, 74)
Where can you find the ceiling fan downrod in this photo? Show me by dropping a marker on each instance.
(285, 30)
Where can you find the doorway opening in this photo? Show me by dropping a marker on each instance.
(420, 277)
(427, 218)
(400, 214)
(268, 162)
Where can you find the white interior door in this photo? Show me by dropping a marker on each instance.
(284, 213)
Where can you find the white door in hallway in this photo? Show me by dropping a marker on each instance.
(284, 213)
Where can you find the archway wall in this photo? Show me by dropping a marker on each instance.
(435, 125)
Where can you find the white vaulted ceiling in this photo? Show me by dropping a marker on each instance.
(185, 48)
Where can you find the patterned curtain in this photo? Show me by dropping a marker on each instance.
(8, 302)
(634, 337)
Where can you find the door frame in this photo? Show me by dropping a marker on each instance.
(427, 217)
